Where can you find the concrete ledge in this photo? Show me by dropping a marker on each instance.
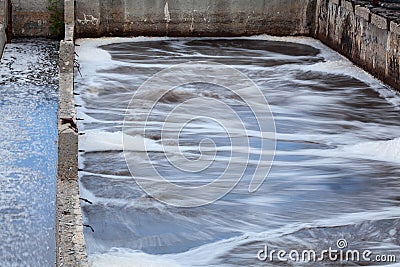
(363, 12)
(347, 5)
(378, 21)
(395, 28)
(70, 243)
(3, 39)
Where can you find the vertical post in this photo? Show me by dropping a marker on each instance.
(375, 3)
(8, 17)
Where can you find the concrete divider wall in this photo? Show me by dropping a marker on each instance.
(70, 242)
(193, 18)
(370, 40)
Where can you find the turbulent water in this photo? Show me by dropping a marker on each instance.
(28, 152)
(335, 175)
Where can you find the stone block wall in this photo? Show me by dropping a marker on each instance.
(370, 40)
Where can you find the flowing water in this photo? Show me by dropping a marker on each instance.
(28, 152)
(335, 175)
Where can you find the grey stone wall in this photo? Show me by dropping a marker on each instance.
(193, 17)
(370, 40)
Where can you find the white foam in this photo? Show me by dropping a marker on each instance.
(349, 145)
(96, 58)
(96, 141)
(336, 64)
(101, 141)
(129, 258)
(388, 151)
(207, 254)
(376, 150)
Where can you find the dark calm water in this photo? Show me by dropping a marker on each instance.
(28, 152)
(335, 175)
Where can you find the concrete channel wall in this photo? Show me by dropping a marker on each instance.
(368, 37)
(97, 18)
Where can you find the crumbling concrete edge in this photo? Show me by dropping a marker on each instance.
(70, 242)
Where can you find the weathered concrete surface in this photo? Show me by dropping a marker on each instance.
(3, 25)
(71, 247)
(3, 39)
(365, 36)
(30, 18)
(69, 19)
(193, 18)
(70, 242)
(3, 12)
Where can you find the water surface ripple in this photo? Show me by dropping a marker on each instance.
(28, 152)
(336, 172)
